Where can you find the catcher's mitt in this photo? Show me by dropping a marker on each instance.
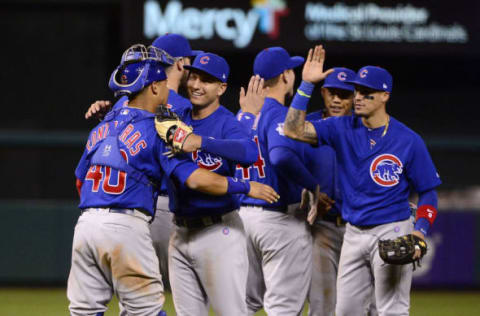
(171, 129)
(401, 250)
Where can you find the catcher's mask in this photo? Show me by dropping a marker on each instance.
(139, 67)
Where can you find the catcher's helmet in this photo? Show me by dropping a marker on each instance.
(139, 67)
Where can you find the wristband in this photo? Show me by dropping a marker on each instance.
(302, 97)
(428, 212)
(236, 186)
(423, 225)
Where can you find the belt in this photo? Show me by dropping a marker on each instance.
(128, 211)
(364, 227)
(198, 222)
(336, 219)
(281, 209)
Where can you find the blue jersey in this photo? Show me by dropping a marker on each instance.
(376, 174)
(268, 134)
(177, 104)
(322, 163)
(221, 124)
(123, 162)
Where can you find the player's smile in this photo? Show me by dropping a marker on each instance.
(202, 88)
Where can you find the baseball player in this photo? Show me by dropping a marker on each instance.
(328, 231)
(207, 253)
(379, 160)
(117, 178)
(280, 245)
(178, 47)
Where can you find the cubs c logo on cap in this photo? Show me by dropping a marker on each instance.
(342, 76)
(386, 169)
(204, 60)
(363, 73)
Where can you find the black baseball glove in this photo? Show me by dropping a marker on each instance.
(401, 249)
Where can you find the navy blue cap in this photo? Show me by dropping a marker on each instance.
(176, 45)
(272, 61)
(340, 78)
(375, 78)
(211, 64)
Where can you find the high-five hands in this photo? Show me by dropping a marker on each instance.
(313, 67)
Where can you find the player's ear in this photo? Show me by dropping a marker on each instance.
(284, 76)
(222, 87)
(180, 63)
(385, 97)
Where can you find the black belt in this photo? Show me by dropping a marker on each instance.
(364, 227)
(281, 209)
(198, 222)
(336, 219)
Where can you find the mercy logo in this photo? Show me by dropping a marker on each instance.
(230, 24)
(270, 13)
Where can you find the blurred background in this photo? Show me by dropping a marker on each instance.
(58, 55)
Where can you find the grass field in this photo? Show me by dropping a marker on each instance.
(53, 302)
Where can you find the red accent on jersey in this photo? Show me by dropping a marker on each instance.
(126, 132)
(121, 179)
(95, 174)
(210, 163)
(140, 145)
(428, 212)
(259, 164)
(390, 176)
(245, 171)
(79, 184)
(132, 139)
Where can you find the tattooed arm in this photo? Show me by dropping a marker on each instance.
(297, 128)
(295, 125)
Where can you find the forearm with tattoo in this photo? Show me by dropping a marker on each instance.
(297, 128)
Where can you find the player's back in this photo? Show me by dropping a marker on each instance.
(125, 139)
(268, 134)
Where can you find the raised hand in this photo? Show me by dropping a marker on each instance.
(98, 109)
(313, 67)
(252, 101)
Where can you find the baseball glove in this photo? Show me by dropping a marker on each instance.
(171, 129)
(401, 249)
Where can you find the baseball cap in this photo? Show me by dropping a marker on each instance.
(340, 78)
(176, 45)
(272, 61)
(374, 77)
(211, 64)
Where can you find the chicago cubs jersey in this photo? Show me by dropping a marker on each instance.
(375, 178)
(268, 134)
(322, 163)
(177, 104)
(221, 124)
(123, 162)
